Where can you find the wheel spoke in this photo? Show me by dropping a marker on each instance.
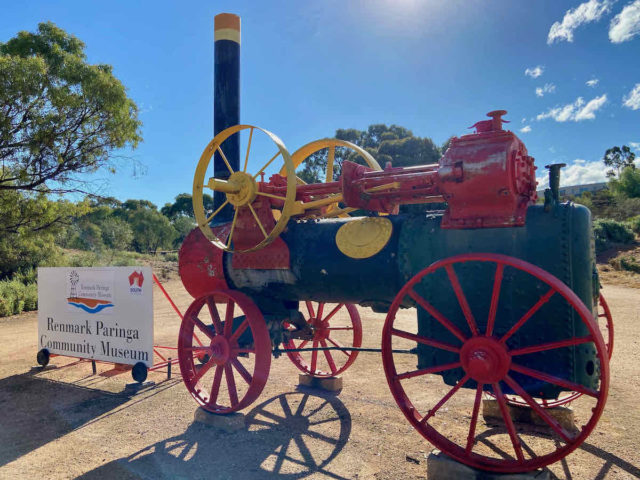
(201, 371)
(215, 387)
(255, 216)
(239, 331)
(576, 387)
(552, 345)
(231, 384)
(515, 440)
(336, 344)
(552, 422)
(444, 399)
(320, 309)
(242, 371)
(233, 226)
(203, 328)
(437, 315)
(310, 309)
(329, 358)
(302, 344)
(246, 158)
(270, 195)
(462, 300)
(474, 419)
(424, 340)
(213, 311)
(495, 295)
(224, 158)
(244, 350)
(218, 210)
(425, 371)
(266, 165)
(314, 357)
(330, 159)
(544, 299)
(228, 318)
(332, 313)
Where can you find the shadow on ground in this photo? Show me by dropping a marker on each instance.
(289, 436)
(36, 411)
(608, 458)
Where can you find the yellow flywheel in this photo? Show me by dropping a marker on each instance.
(304, 152)
(242, 188)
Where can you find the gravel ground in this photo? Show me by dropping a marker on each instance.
(64, 422)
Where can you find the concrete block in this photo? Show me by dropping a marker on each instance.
(441, 467)
(563, 415)
(229, 423)
(330, 384)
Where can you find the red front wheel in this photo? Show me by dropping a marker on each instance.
(334, 326)
(235, 355)
(485, 351)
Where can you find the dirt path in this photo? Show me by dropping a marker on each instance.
(67, 423)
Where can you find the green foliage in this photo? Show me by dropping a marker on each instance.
(627, 185)
(608, 232)
(183, 206)
(59, 115)
(625, 262)
(116, 233)
(16, 297)
(618, 159)
(29, 224)
(182, 226)
(151, 230)
(392, 143)
(634, 224)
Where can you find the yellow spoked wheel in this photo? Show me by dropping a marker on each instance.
(242, 189)
(304, 152)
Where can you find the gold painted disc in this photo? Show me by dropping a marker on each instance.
(365, 237)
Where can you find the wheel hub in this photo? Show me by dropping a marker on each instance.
(246, 189)
(485, 359)
(220, 350)
(320, 330)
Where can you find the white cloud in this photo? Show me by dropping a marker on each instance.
(576, 111)
(632, 99)
(635, 146)
(586, 12)
(524, 119)
(592, 83)
(579, 172)
(626, 24)
(525, 129)
(548, 88)
(534, 72)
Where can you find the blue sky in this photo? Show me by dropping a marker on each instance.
(310, 67)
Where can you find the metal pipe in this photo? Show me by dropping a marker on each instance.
(554, 179)
(226, 100)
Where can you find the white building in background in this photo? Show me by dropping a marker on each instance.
(575, 190)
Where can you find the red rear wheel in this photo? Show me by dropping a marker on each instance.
(605, 322)
(448, 415)
(331, 328)
(236, 350)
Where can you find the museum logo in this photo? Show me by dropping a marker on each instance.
(136, 279)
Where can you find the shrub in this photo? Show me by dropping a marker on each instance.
(16, 297)
(608, 231)
(625, 262)
(634, 224)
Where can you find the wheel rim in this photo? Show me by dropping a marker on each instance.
(242, 190)
(224, 383)
(487, 361)
(328, 331)
(571, 396)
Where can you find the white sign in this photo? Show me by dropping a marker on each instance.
(101, 313)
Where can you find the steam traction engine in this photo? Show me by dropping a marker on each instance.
(506, 290)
